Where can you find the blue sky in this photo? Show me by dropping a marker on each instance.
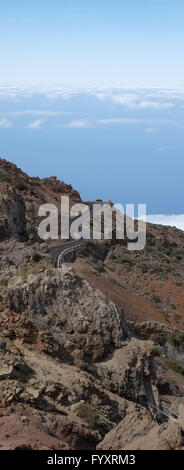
(93, 92)
(99, 42)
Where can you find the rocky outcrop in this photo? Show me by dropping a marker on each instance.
(138, 432)
(83, 321)
(169, 340)
(51, 386)
(12, 213)
(20, 198)
(73, 373)
(131, 372)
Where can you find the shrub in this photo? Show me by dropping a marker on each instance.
(150, 238)
(145, 267)
(98, 251)
(156, 352)
(157, 269)
(99, 268)
(174, 365)
(155, 299)
(4, 282)
(31, 268)
(4, 176)
(89, 414)
(173, 306)
(177, 316)
(178, 339)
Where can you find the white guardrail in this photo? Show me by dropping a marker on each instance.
(63, 254)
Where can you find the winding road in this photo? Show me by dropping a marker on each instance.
(60, 251)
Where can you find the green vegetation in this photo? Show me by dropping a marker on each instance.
(47, 180)
(98, 251)
(177, 316)
(165, 314)
(177, 339)
(31, 268)
(99, 268)
(173, 306)
(52, 181)
(179, 283)
(4, 282)
(156, 352)
(157, 269)
(155, 299)
(4, 176)
(145, 267)
(150, 238)
(174, 365)
(127, 261)
(89, 414)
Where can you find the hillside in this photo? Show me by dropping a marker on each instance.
(148, 284)
(92, 354)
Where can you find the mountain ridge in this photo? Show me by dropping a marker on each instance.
(85, 347)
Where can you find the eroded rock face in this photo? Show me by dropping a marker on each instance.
(138, 432)
(21, 197)
(72, 374)
(31, 378)
(131, 372)
(136, 422)
(83, 321)
(12, 213)
(169, 340)
(23, 429)
(89, 330)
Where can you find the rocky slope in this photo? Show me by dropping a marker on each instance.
(76, 370)
(148, 284)
(21, 196)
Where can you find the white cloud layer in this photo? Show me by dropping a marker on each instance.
(35, 112)
(150, 130)
(134, 101)
(136, 121)
(174, 220)
(36, 124)
(80, 123)
(5, 123)
(144, 105)
(76, 124)
(133, 97)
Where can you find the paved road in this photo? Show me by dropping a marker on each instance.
(59, 252)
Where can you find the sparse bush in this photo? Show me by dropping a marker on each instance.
(98, 251)
(99, 268)
(145, 267)
(4, 282)
(4, 176)
(155, 299)
(174, 365)
(178, 339)
(89, 414)
(31, 268)
(157, 269)
(179, 283)
(150, 238)
(156, 352)
(127, 261)
(173, 306)
(177, 316)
